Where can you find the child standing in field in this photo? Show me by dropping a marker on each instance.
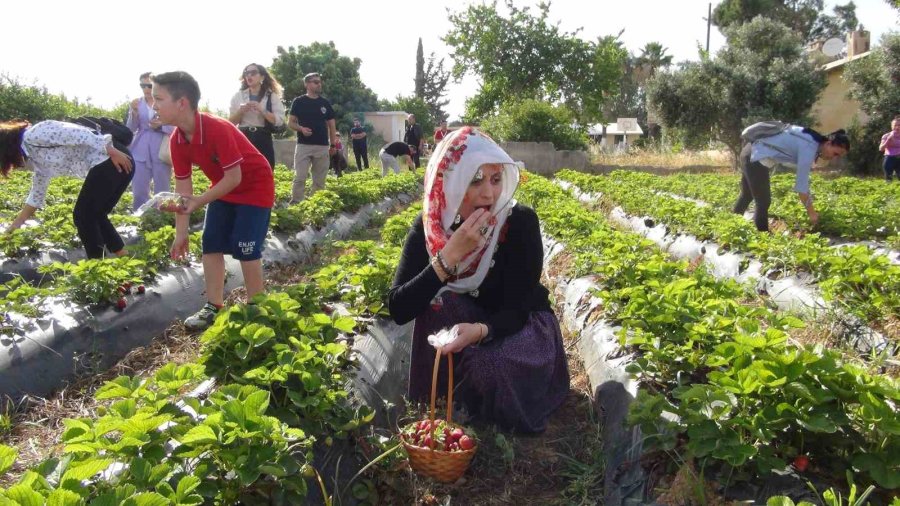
(890, 146)
(239, 201)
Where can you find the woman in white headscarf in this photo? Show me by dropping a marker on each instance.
(472, 263)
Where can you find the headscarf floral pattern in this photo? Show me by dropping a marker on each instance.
(449, 173)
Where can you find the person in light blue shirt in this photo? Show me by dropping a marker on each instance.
(796, 146)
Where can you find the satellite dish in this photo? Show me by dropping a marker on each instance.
(833, 47)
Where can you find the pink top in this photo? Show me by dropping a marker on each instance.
(892, 148)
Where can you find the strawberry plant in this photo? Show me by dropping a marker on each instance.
(859, 280)
(96, 280)
(719, 380)
(396, 228)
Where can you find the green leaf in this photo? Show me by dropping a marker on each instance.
(63, 497)
(344, 324)
(780, 501)
(8, 456)
(24, 495)
(818, 423)
(186, 485)
(86, 469)
(147, 499)
(199, 434)
(256, 403)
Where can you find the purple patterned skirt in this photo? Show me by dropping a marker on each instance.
(515, 382)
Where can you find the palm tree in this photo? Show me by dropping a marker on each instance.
(653, 56)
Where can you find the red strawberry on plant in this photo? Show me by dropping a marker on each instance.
(121, 303)
(801, 462)
(141, 289)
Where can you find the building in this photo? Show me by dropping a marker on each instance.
(833, 109)
(390, 125)
(609, 135)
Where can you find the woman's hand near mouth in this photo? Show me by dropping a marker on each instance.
(467, 237)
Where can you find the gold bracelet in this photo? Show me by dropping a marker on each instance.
(484, 332)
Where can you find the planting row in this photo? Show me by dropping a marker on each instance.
(106, 280)
(849, 207)
(281, 366)
(860, 281)
(719, 381)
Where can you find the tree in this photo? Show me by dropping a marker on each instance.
(420, 72)
(843, 21)
(431, 83)
(806, 17)
(629, 101)
(524, 56)
(874, 83)
(761, 74)
(653, 57)
(342, 85)
(536, 121)
(436, 79)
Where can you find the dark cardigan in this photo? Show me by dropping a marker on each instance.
(509, 293)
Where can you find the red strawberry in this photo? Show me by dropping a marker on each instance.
(141, 289)
(427, 442)
(121, 303)
(801, 462)
(457, 433)
(466, 443)
(121, 290)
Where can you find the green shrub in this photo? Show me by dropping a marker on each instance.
(35, 103)
(536, 121)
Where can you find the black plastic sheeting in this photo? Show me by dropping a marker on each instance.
(383, 352)
(39, 361)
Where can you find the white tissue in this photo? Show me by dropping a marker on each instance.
(443, 337)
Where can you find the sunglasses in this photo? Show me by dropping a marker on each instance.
(145, 85)
(251, 73)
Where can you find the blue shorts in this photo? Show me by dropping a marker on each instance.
(237, 229)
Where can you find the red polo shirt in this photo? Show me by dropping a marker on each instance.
(217, 146)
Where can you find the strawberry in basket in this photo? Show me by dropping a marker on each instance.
(436, 448)
(445, 437)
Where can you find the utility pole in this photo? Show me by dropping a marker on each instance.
(708, 24)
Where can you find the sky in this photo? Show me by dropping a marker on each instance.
(61, 45)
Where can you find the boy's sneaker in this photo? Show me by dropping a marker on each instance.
(201, 320)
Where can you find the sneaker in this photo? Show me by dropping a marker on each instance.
(201, 320)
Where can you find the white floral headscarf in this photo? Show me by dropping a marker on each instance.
(450, 171)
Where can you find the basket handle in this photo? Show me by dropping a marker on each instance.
(434, 375)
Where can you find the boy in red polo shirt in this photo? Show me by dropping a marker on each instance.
(239, 201)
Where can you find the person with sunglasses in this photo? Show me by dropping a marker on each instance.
(257, 109)
(312, 117)
(149, 133)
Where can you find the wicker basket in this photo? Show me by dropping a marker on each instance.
(446, 467)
